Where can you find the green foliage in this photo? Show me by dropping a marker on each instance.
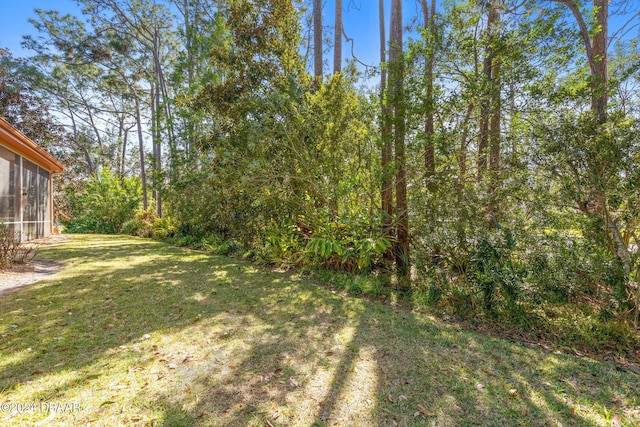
(104, 204)
(343, 251)
(164, 227)
(355, 284)
(493, 270)
(147, 223)
(597, 164)
(141, 225)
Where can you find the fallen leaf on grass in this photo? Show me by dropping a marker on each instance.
(107, 402)
(479, 386)
(425, 411)
(38, 372)
(491, 374)
(172, 366)
(615, 422)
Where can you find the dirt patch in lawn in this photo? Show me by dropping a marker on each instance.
(18, 276)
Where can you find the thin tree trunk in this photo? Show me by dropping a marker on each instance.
(599, 96)
(143, 175)
(428, 14)
(462, 155)
(124, 152)
(485, 102)
(396, 63)
(494, 137)
(317, 38)
(157, 160)
(386, 152)
(187, 36)
(189, 125)
(337, 39)
(596, 51)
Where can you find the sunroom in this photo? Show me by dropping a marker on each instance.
(26, 189)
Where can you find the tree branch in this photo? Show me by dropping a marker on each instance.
(584, 31)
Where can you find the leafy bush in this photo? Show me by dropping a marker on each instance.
(164, 227)
(148, 224)
(282, 246)
(105, 204)
(349, 254)
(346, 246)
(141, 225)
(493, 270)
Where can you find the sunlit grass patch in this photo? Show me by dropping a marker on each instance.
(137, 332)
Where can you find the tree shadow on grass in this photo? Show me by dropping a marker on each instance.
(199, 340)
(373, 365)
(379, 366)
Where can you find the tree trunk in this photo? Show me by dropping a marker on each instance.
(428, 14)
(157, 160)
(495, 128)
(188, 33)
(124, 153)
(317, 38)
(387, 177)
(337, 39)
(396, 64)
(596, 51)
(143, 175)
(599, 97)
(462, 155)
(485, 102)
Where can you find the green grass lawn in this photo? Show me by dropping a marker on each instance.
(135, 332)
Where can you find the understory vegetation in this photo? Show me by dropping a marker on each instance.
(12, 249)
(463, 174)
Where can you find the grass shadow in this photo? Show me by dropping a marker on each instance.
(142, 333)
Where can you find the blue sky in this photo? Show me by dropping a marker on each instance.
(15, 15)
(360, 22)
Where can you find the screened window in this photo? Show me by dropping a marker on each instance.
(7, 185)
(44, 207)
(29, 191)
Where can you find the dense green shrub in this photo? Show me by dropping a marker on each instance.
(141, 224)
(493, 270)
(147, 223)
(104, 204)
